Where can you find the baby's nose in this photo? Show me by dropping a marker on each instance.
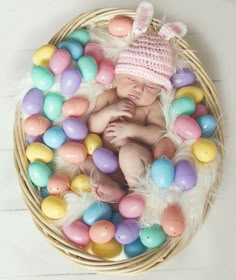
(139, 87)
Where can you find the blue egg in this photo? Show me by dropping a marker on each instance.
(54, 137)
(97, 211)
(134, 249)
(73, 47)
(116, 218)
(163, 172)
(44, 192)
(207, 124)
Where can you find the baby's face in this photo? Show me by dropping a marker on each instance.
(138, 90)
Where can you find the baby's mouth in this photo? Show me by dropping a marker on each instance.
(133, 97)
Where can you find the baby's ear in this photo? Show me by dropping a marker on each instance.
(173, 29)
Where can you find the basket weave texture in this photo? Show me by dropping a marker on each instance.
(153, 257)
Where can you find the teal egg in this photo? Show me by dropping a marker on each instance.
(153, 236)
(207, 124)
(39, 173)
(88, 67)
(182, 106)
(81, 35)
(134, 249)
(42, 78)
(163, 172)
(52, 107)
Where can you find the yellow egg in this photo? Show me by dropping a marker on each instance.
(204, 150)
(39, 151)
(92, 142)
(54, 207)
(193, 92)
(108, 250)
(43, 55)
(81, 183)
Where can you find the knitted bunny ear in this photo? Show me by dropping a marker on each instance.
(173, 29)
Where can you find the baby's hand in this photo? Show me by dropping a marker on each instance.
(117, 131)
(123, 108)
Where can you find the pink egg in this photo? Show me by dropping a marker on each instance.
(95, 50)
(200, 110)
(106, 72)
(187, 128)
(59, 61)
(58, 184)
(78, 233)
(120, 26)
(132, 206)
(73, 152)
(75, 107)
(36, 125)
(102, 232)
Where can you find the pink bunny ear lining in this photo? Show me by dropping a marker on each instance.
(173, 29)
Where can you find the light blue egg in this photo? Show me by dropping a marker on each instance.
(207, 124)
(153, 236)
(88, 67)
(52, 107)
(97, 211)
(73, 47)
(163, 172)
(42, 78)
(134, 249)
(44, 192)
(81, 35)
(39, 173)
(54, 137)
(181, 106)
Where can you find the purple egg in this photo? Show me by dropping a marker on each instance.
(185, 175)
(183, 77)
(31, 139)
(32, 102)
(127, 231)
(75, 129)
(105, 160)
(70, 81)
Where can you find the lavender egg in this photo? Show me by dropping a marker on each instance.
(75, 129)
(127, 231)
(70, 81)
(183, 77)
(105, 160)
(32, 102)
(185, 175)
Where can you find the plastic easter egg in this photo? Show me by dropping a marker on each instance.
(43, 55)
(31, 139)
(44, 192)
(120, 26)
(59, 61)
(99, 210)
(42, 78)
(127, 231)
(172, 221)
(73, 47)
(88, 67)
(54, 137)
(81, 35)
(185, 175)
(75, 129)
(200, 110)
(32, 102)
(187, 128)
(78, 233)
(39, 173)
(108, 250)
(81, 183)
(58, 183)
(116, 218)
(132, 206)
(183, 77)
(207, 124)
(105, 160)
(164, 148)
(70, 81)
(92, 142)
(153, 236)
(181, 106)
(163, 171)
(54, 207)
(134, 249)
(75, 107)
(52, 106)
(36, 125)
(102, 232)
(106, 72)
(73, 152)
(193, 92)
(95, 50)
(204, 150)
(39, 152)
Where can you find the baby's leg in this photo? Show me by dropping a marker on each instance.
(134, 159)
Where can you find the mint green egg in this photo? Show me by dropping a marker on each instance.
(42, 78)
(88, 67)
(52, 106)
(81, 35)
(39, 173)
(153, 236)
(181, 106)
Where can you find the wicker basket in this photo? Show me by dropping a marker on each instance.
(153, 257)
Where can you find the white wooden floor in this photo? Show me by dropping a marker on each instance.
(26, 25)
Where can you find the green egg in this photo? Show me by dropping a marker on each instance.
(81, 35)
(88, 67)
(181, 106)
(52, 106)
(42, 78)
(153, 236)
(39, 173)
